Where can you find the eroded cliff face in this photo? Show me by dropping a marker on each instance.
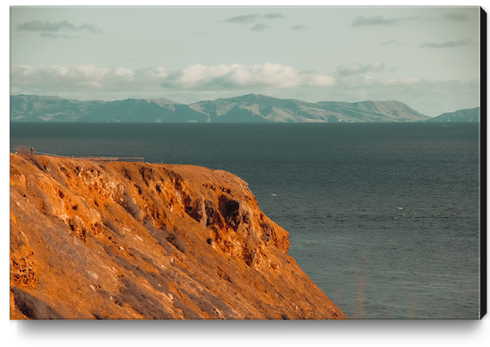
(147, 241)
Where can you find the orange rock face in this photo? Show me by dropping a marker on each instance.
(147, 241)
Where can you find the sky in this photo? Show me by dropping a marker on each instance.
(426, 57)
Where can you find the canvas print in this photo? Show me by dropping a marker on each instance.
(245, 163)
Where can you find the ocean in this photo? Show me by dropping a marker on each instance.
(384, 218)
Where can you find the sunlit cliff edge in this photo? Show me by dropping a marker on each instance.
(148, 241)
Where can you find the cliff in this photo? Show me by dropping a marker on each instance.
(146, 241)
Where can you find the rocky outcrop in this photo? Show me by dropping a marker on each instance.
(147, 241)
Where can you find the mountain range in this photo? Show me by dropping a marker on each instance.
(466, 115)
(251, 108)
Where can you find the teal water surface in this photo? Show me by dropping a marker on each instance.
(384, 218)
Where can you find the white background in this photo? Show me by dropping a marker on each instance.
(213, 333)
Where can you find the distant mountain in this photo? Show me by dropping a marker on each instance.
(466, 115)
(260, 108)
(32, 108)
(247, 108)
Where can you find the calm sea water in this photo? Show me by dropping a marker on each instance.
(384, 218)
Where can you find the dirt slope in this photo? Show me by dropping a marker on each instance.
(148, 241)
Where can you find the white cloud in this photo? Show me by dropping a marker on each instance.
(236, 75)
(60, 77)
(357, 68)
(91, 72)
(23, 69)
(124, 72)
(272, 76)
(196, 75)
(322, 81)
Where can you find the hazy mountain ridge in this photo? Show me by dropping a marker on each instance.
(264, 108)
(246, 108)
(30, 108)
(460, 116)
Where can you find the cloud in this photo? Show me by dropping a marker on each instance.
(455, 16)
(85, 78)
(124, 72)
(244, 19)
(356, 69)
(272, 15)
(393, 43)
(240, 76)
(39, 26)
(374, 20)
(59, 36)
(321, 81)
(251, 18)
(89, 27)
(382, 21)
(448, 44)
(61, 77)
(260, 27)
(299, 27)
